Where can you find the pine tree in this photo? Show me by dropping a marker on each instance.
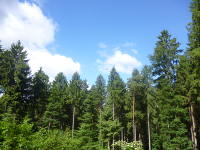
(116, 99)
(56, 114)
(137, 98)
(88, 131)
(77, 91)
(169, 126)
(193, 55)
(100, 96)
(15, 80)
(41, 91)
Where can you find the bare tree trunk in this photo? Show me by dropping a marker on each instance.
(122, 136)
(108, 145)
(133, 115)
(113, 147)
(49, 126)
(193, 127)
(73, 121)
(149, 132)
(140, 139)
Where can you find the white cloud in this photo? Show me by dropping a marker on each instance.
(52, 64)
(123, 63)
(102, 45)
(26, 22)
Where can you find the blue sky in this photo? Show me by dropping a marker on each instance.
(94, 32)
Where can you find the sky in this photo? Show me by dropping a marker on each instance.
(91, 36)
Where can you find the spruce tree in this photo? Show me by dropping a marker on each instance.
(169, 126)
(41, 91)
(77, 91)
(15, 80)
(88, 131)
(56, 114)
(116, 100)
(193, 55)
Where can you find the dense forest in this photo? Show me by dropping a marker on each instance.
(157, 108)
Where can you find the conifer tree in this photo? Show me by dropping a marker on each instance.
(76, 90)
(41, 91)
(88, 131)
(116, 98)
(15, 80)
(193, 55)
(56, 114)
(167, 134)
(100, 96)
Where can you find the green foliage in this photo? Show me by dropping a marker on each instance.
(56, 114)
(123, 145)
(41, 91)
(158, 107)
(169, 114)
(13, 135)
(54, 140)
(15, 80)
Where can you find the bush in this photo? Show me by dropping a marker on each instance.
(123, 145)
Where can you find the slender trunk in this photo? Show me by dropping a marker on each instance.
(113, 147)
(149, 132)
(133, 115)
(49, 126)
(108, 145)
(73, 122)
(122, 136)
(140, 137)
(193, 127)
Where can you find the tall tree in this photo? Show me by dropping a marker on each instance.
(88, 131)
(116, 97)
(41, 91)
(194, 71)
(137, 90)
(164, 62)
(15, 80)
(147, 98)
(100, 90)
(77, 89)
(56, 114)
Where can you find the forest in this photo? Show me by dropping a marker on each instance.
(157, 108)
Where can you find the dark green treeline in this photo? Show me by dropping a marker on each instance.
(158, 108)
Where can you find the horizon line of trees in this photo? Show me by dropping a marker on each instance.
(158, 107)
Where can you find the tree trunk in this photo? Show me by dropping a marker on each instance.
(49, 126)
(73, 122)
(193, 127)
(149, 132)
(113, 147)
(122, 136)
(108, 145)
(133, 115)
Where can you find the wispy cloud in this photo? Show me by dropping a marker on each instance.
(122, 61)
(26, 22)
